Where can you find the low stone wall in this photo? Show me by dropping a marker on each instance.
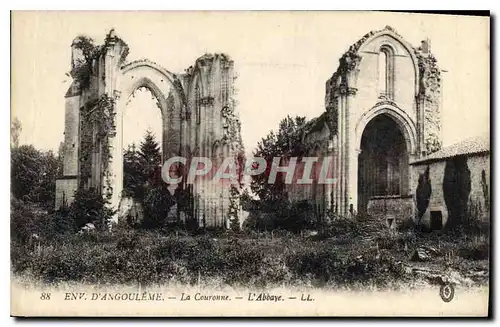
(399, 208)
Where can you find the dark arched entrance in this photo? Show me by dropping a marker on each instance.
(383, 162)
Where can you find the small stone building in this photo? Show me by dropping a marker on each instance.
(452, 186)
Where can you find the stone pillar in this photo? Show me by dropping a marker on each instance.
(113, 176)
(353, 182)
(341, 171)
(352, 156)
(115, 165)
(329, 187)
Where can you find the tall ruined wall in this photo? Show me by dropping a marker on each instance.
(214, 131)
(429, 99)
(356, 93)
(198, 111)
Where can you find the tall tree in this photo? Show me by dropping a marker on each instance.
(33, 175)
(133, 175)
(150, 153)
(285, 144)
(141, 165)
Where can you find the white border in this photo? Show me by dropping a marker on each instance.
(179, 5)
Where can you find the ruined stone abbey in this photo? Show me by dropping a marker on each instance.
(381, 126)
(198, 119)
(382, 112)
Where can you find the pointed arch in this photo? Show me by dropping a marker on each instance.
(402, 119)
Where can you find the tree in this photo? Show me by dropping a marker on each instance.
(15, 131)
(133, 177)
(44, 193)
(33, 175)
(285, 144)
(150, 154)
(141, 166)
(25, 170)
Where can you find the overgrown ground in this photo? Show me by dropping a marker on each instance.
(347, 254)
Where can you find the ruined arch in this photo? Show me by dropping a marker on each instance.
(402, 119)
(164, 86)
(153, 76)
(383, 169)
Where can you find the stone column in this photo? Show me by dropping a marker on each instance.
(341, 160)
(352, 153)
(115, 165)
(329, 187)
(353, 181)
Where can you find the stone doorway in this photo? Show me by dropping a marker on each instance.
(383, 169)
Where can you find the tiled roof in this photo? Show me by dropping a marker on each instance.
(474, 145)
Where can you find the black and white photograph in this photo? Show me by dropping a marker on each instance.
(250, 164)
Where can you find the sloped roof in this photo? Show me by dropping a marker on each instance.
(473, 145)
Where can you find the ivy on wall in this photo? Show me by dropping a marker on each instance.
(98, 116)
(234, 208)
(82, 66)
(430, 92)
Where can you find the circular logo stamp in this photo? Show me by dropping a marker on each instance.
(447, 292)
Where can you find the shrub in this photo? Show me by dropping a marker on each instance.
(89, 206)
(474, 249)
(320, 264)
(23, 220)
(157, 203)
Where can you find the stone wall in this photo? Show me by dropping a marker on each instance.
(71, 136)
(401, 208)
(435, 187)
(65, 191)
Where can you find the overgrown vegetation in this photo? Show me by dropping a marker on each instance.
(282, 244)
(33, 175)
(347, 259)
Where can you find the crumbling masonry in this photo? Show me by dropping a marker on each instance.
(198, 116)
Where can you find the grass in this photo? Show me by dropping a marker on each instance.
(342, 256)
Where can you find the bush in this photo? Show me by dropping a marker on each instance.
(296, 216)
(157, 203)
(89, 206)
(291, 216)
(320, 264)
(23, 220)
(475, 249)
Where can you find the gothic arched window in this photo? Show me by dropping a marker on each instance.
(386, 72)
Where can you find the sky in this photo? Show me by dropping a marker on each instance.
(282, 59)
